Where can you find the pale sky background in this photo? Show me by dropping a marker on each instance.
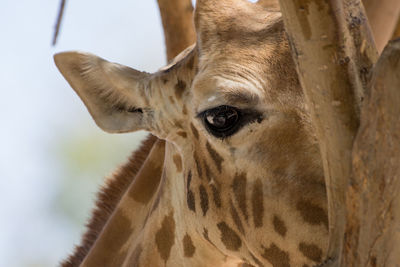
(43, 121)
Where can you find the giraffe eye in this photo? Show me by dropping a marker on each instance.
(221, 121)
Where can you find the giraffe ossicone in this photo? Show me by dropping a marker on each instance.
(240, 180)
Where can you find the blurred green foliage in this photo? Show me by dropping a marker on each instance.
(85, 157)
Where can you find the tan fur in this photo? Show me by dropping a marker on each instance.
(256, 197)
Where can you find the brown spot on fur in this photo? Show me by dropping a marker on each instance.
(182, 134)
(198, 166)
(194, 131)
(190, 201)
(178, 124)
(165, 236)
(205, 235)
(207, 170)
(215, 156)
(257, 261)
(189, 180)
(156, 203)
(216, 195)
(112, 239)
(184, 110)
(178, 162)
(236, 218)
(190, 196)
(229, 237)
(135, 256)
(279, 226)
(276, 256)
(257, 203)
(312, 213)
(188, 248)
(164, 80)
(172, 100)
(311, 251)
(203, 199)
(373, 261)
(239, 189)
(146, 182)
(179, 88)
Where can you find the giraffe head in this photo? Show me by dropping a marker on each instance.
(244, 152)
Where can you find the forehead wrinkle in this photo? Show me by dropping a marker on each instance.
(240, 96)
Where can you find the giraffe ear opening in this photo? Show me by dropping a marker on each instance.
(114, 95)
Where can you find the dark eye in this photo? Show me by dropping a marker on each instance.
(224, 121)
(221, 121)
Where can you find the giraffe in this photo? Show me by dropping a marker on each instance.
(240, 180)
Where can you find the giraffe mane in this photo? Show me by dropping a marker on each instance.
(107, 199)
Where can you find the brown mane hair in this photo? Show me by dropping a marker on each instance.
(107, 199)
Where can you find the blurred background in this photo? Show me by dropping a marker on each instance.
(53, 158)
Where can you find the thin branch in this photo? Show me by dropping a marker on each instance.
(58, 22)
(372, 236)
(177, 20)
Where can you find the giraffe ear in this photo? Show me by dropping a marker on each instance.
(115, 95)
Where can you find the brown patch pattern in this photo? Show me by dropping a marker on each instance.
(190, 195)
(276, 256)
(236, 218)
(215, 156)
(279, 225)
(198, 166)
(194, 131)
(165, 236)
(257, 261)
(311, 213)
(206, 237)
(239, 185)
(229, 237)
(179, 88)
(178, 162)
(171, 99)
(146, 183)
(112, 239)
(178, 124)
(216, 195)
(190, 201)
(182, 134)
(257, 203)
(311, 251)
(207, 170)
(188, 248)
(203, 199)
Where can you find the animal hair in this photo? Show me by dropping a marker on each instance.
(107, 199)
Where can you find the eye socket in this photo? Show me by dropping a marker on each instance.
(221, 121)
(224, 121)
